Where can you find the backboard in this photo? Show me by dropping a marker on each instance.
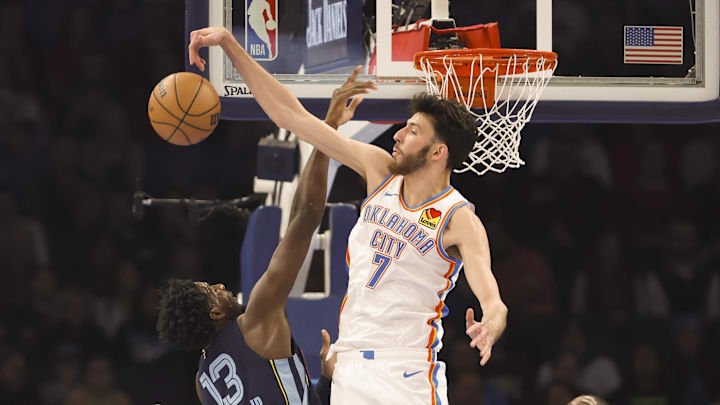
(619, 61)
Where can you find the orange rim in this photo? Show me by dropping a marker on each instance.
(506, 59)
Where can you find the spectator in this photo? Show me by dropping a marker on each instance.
(604, 288)
(648, 383)
(687, 361)
(578, 368)
(649, 195)
(114, 308)
(64, 375)
(76, 325)
(16, 380)
(685, 276)
(557, 393)
(23, 250)
(99, 386)
(527, 285)
(469, 388)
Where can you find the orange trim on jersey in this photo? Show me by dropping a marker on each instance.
(380, 187)
(433, 201)
(432, 384)
(341, 308)
(441, 228)
(347, 263)
(439, 307)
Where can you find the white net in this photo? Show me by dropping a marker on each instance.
(509, 89)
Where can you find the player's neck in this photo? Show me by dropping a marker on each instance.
(422, 184)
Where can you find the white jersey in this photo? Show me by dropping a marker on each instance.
(399, 273)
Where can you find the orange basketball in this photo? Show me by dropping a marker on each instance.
(184, 108)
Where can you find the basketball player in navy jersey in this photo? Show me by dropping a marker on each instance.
(248, 355)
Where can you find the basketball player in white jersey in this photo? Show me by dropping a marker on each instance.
(256, 19)
(404, 255)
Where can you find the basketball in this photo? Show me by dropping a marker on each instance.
(270, 25)
(184, 108)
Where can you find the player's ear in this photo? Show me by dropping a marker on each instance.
(217, 314)
(439, 151)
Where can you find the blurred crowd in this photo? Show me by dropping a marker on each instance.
(607, 254)
(605, 245)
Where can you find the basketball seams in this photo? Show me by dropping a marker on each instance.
(197, 91)
(179, 119)
(167, 121)
(172, 134)
(170, 123)
(204, 112)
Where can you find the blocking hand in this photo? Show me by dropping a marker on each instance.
(339, 111)
(480, 336)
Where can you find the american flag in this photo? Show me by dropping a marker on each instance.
(653, 45)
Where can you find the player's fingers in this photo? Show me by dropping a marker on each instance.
(364, 85)
(474, 329)
(477, 342)
(325, 343)
(487, 353)
(469, 318)
(355, 92)
(354, 74)
(484, 333)
(192, 51)
(200, 31)
(347, 94)
(354, 103)
(195, 44)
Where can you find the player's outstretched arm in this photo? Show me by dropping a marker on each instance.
(271, 291)
(467, 233)
(285, 109)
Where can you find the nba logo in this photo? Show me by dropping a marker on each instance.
(261, 26)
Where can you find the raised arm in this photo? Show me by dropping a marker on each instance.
(467, 233)
(272, 289)
(271, 292)
(285, 109)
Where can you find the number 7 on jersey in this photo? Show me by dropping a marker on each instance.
(383, 263)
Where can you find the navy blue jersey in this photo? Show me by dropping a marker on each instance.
(231, 373)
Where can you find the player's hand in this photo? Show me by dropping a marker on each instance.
(339, 111)
(209, 36)
(480, 336)
(327, 367)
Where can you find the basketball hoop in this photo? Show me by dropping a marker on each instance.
(503, 87)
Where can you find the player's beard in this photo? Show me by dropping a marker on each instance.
(410, 163)
(236, 309)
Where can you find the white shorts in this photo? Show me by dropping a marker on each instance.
(394, 377)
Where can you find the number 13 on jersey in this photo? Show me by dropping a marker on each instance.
(383, 263)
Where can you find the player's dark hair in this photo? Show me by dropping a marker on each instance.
(453, 124)
(184, 316)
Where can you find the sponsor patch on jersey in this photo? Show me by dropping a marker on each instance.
(430, 218)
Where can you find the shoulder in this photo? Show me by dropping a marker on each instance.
(464, 226)
(464, 217)
(377, 178)
(269, 338)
